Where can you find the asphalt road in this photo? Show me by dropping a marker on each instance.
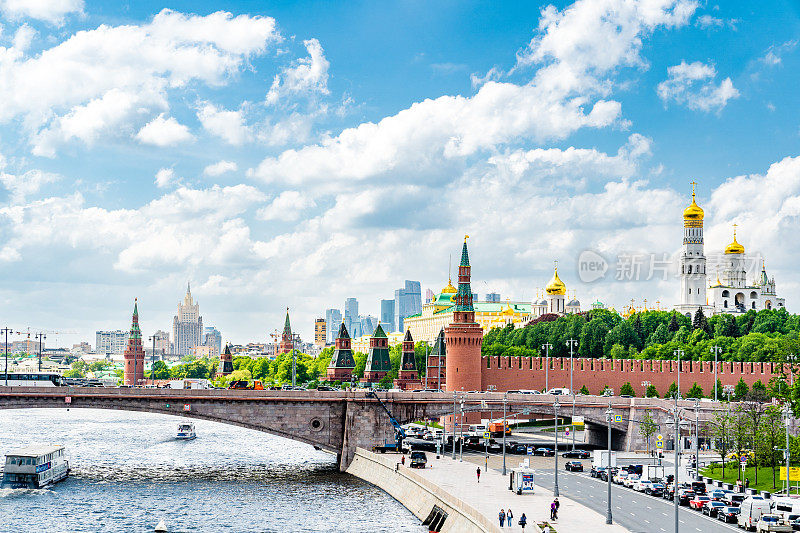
(633, 510)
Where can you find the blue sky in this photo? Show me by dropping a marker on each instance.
(296, 153)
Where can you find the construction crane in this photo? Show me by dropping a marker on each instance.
(400, 433)
(40, 334)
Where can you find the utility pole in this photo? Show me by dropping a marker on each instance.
(547, 347)
(41, 337)
(572, 344)
(715, 350)
(454, 425)
(461, 431)
(696, 439)
(679, 355)
(555, 455)
(6, 331)
(609, 416)
(153, 361)
(787, 454)
(505, 399)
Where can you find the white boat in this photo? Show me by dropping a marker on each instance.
(186, 431)
(35, 467)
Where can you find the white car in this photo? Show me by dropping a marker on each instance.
(642, 485)
(630, 480)
(619, 477)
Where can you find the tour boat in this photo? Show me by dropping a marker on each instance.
(186, 431)
(35, 467)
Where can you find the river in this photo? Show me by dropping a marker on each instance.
(128, 472)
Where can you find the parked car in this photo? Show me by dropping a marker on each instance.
(516, 448)
(574, 466)
(772, 523)
(685, 496)
(728, 514)
(795, 524)
(577, 454)
(712, 507)
(655, 489)
(698, 501)
(619, 477)
(544, 452)
(629, 480)
(418, 460)
(641, 485)
(595, 471)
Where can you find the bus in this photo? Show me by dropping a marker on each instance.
(32, 379)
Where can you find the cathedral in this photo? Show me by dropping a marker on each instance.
(733, 292)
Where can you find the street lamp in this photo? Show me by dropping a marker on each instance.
(295, 338)
(792, 358)
(697, 439)
(454, 425)
(609, 416)
(6, 331)
(555, 455)
(716, 351)
(728, 391)
(676, 419)
(572, 344)
(461, 430)
(41, 337)
(153, 361)
(679, 355)
(646, 384)
(547, 347)
(505, 399)
(786, 417)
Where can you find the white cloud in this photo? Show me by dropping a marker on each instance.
(774, 54)
(220, 167)
(171, 51)
(20, 186)
(288, 206)
(164, 132)
(707, 21)
(693, 84)
(165, 177)
(307, 76)
(228, 125)
(52, 11)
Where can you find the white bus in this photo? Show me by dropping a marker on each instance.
(31, 379)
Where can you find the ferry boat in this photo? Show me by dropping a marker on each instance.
(186, 431)
(35, 467)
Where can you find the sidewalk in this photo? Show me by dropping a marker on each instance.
(492, 494)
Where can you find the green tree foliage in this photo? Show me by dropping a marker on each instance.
(160, 370)
(695, 392)
(722, 436)
(647, 427)
(584, 390)
(627, 390)
(672, 391)
(651, 391)
(741, 391)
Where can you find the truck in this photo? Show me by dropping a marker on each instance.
(600, 458)
(653, 472)
(496, 429)
(246, 385)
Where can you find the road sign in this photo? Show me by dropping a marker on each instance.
(484, 405)
(187, 407)
(567, 432)
(578, 421)
(617, 418)
(530, 450)
(67, 399)
(794, 473)
(659, 437)
(660, 444)
(487, 435)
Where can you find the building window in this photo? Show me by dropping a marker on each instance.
(725, 304)
(753, 305)
(725, 294)
(689, 269)
(753, 295)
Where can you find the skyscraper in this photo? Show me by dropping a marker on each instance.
(407, 302)
(387, 315)
(187, 325)
(493, 297)
(213, 338)
(351, 316)
(333, 318)
(320, 335)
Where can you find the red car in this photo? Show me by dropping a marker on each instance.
(697, 502)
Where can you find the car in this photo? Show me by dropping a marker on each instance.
(712, 507)
(772, 523)
(795, 524)
(716, 495)
(577, 454)
(418, 459)
(544, 452)
(685, 496)
(619, 477)
(733, 499)
(595, 471)
(655, 489)
(603, 475)
(728, 514)
(641, 485)
(629, 480)
(698, 487)
(574, 466)
(516, 448)
(698, 501)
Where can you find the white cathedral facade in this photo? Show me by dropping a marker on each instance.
(733, 293)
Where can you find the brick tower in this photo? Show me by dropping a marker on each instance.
(464, 336)
(286, 343)
(226, 361)
(437, 363)
(378, 363)
(342, 362)
(134, 354)
(407, 376)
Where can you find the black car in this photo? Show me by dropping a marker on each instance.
(544, 452)
(685, 496)
(655, 489)
(603, 476)
(326, 388)
(596, 470)
(516, 448)
(728, 514)
(574, 466)
(418, 460)
(699, 487)
(711, 508)
(576, 454)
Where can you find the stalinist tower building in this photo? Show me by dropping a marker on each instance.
(187, 325)
(693, 263)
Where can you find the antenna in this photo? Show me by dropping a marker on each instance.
(450, 268)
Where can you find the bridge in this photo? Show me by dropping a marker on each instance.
(338, 422)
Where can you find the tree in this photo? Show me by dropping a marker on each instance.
(651, 392)
(741, 391)
(627, 390)
(754, 411)
(673, 322)
(695, 392)
(660, 335)
(647, 427)
(700, 321)
(721, 427)
(759, 392)
(672, 391)
(740, 432)
(771, 437)
(160, 370)
(584, 390)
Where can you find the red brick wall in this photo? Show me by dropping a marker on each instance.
(512, 373)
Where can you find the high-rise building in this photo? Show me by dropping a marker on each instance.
(368, 323)
(493, 297)
(111, 342)
(320, 332)
(163, 346)
(407, 302)
(213, 338)
(429, 296)
(387, 315)
(187, 325)
(351, 315)
(133, 373)
(333, 318)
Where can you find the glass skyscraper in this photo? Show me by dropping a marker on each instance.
(407, 302)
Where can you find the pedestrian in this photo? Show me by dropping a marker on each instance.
(502, 517)
(523, 521)
(552, 510)
(747, 482)
(509, 517)
(558, 504)
(478, 471)
(403, 460)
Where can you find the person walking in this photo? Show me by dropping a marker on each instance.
(502, 517)
(553, 510)
(509, 517)
(478, 471)
(557, 504)
(523, 521)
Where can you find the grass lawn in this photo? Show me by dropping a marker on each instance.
(732, 475)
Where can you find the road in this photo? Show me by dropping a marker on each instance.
(633, 510)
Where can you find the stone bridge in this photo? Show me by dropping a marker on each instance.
(338, 422)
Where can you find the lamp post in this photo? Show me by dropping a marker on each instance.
(787, 454)
(295, 338)
(555, 455)
(728, 390)
(461, 430)
(572, 344)
(547, 347)
(679, 355)
(716, 351)
(505, 399)
(6, 331)
(609, 416)
(646, 384)
(676, 419)
(454, 425)
(792, 358)
(153, 361)
(41, 337)
(696, 438)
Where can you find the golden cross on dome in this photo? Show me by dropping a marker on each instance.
(734, 229)
(693, 183)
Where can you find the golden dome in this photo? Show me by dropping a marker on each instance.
(693, 215)
(734, 247)
(556, 286)
(449, 289)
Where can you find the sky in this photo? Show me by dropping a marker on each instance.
(293, 154)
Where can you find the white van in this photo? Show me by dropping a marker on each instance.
(477, 429)
(751, 510)
(559, 391)
(786, 505)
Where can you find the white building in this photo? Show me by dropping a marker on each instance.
(111, 342)
(693, 263)
(187, 326)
